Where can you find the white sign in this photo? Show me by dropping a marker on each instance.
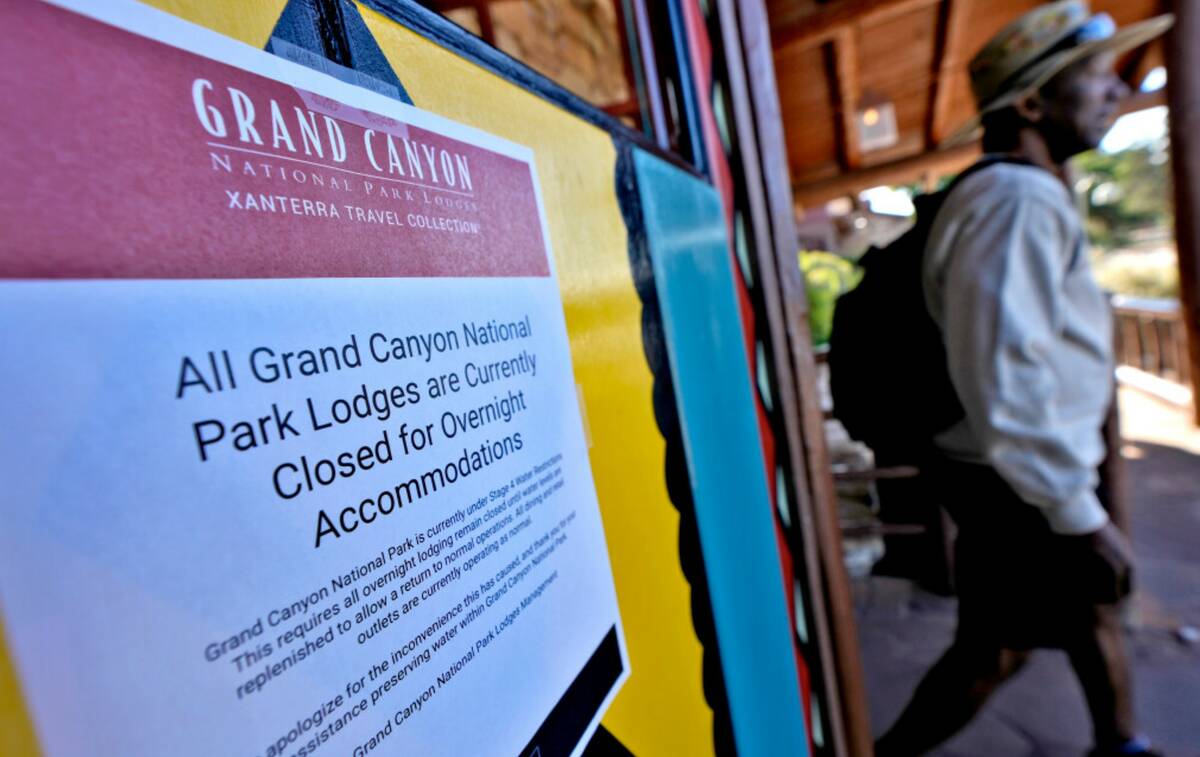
(292, 449)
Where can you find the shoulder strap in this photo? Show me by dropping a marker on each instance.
(928, 205)
(987, 161)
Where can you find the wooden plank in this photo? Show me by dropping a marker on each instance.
(814, 174)
(985, 19)
(816, 514)
(654, 100)
(1142, 101)
(1183, 97)
(1152, 354)
(897, 172)
(843, 50)
(801, 541)
(1131, 341)
(1163, 333)
(628, 43)
(807, 29)
(1180, 345)
(949, 56)
(898, 50)
(806, 96)
(909, 144)
(807, 162)
(487, 29)
(627, 107)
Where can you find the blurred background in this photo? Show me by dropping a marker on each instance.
(869, 92)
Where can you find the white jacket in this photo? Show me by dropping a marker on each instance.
(1028, 337)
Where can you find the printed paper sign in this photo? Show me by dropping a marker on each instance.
(293, 456)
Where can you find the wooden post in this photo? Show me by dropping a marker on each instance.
(487, 29)
(1152, 355)
(1183, 99)
(1180, 340)
(820, 516)
(1131, 341)
(629, 42)
(654, 101)
(1114, 475)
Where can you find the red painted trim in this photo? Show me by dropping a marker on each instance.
(700, 50)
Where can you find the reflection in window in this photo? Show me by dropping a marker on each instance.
(577, 43)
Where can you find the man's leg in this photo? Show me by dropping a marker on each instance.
(949, 696)
(1098, 657)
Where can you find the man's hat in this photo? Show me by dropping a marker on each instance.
(1027, 53)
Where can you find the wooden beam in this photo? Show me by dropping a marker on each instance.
(808, 29)
(1183, 97)
(1141, 62)
(816, 515)
(813, 174)
(627, 107)
(897, 172)
(1142, 101)
(950, 50)
(842, 61)
(759, 129)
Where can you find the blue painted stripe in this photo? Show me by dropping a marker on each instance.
(715, 396)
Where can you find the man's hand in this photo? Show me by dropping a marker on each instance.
(1105, 564)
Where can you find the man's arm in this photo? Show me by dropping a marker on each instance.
(1004, 307)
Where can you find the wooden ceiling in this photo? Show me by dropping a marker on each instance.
(832, 55)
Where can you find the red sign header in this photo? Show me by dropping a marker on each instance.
(203, 170)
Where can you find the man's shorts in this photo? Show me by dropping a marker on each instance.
(1019, 584)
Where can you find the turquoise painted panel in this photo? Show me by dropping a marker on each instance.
(715, 396)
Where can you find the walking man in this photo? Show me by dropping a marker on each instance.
(1029, 346)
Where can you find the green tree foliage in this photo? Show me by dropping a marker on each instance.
(1125, 195)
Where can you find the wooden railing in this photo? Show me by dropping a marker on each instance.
(1150, 337)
